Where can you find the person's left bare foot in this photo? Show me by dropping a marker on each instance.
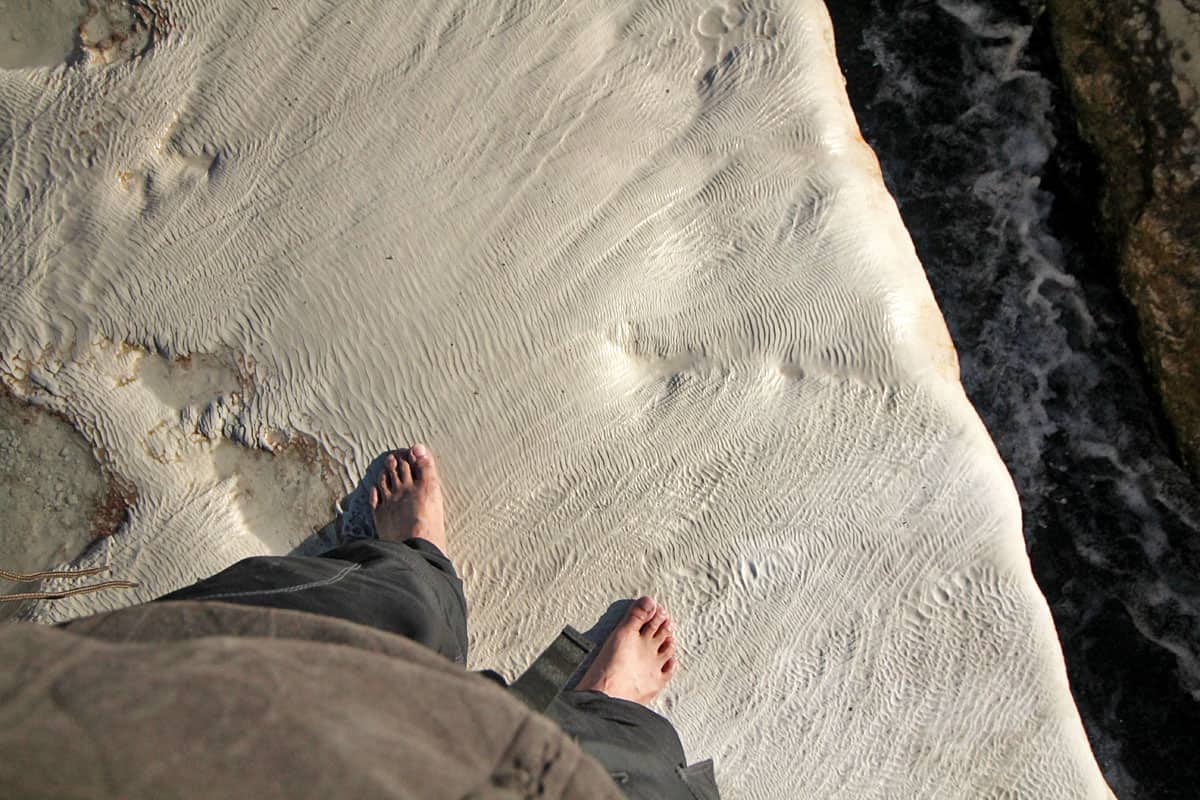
(638, 658)
(407, 499)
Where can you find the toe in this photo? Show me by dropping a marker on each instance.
(667, 648)
(664, 628)
(650, 628)
(640, 613)
(421, 460)
(668, 669)
(388, 480)
(405, 474)
(374, 498)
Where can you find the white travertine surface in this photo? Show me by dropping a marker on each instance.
(630, 270)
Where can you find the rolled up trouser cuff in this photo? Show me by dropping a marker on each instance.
(409, 588)
(640, 749)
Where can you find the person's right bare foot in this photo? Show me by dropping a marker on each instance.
(407, 499)
(638, 657)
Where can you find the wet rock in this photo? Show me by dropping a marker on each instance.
(1133, 69)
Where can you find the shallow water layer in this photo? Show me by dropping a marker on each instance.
(38, 33)
(962, 103)
(50, 487)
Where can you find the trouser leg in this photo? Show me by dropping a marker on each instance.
(409, 588)
(639, 748)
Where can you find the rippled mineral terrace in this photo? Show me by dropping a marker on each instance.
(629, 268)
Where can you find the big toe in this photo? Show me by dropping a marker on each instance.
(640, 613)
(420, 459)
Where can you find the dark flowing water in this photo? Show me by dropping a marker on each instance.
(962, 102)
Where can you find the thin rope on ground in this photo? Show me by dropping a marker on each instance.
(37, 576)
(51, 573)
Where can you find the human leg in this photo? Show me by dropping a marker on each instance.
(639, 748)
(403, 583)
(606, 713)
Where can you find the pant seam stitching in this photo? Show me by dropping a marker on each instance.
(310, 585)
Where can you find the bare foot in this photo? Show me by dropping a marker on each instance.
(638, 657)
(407, 500)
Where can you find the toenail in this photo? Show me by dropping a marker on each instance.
(420, 451)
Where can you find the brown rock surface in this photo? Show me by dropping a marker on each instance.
(1131, 67)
